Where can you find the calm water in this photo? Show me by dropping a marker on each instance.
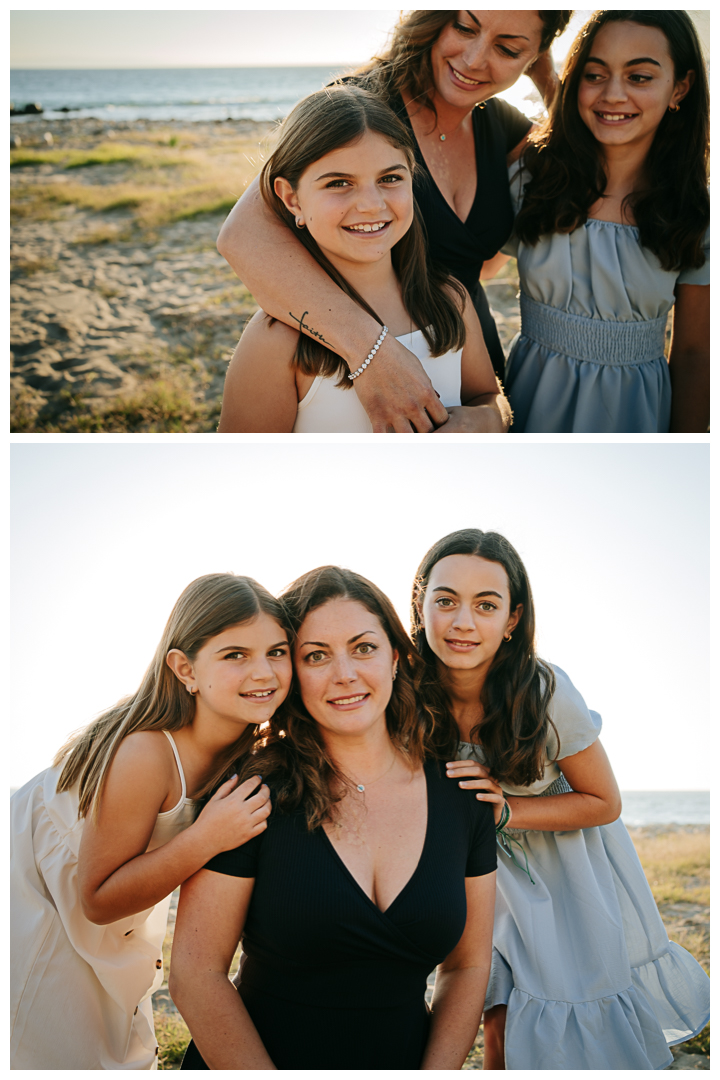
(169, 94)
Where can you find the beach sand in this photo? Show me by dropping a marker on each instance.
(676, 862)
(123, 314)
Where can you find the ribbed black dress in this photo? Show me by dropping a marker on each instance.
(329, 980)
(463, 246)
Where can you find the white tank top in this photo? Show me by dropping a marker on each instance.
(327, 407)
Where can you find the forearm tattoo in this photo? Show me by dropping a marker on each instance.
(310, 329)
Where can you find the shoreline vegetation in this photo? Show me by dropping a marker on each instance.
(676, 860)
(123, 314)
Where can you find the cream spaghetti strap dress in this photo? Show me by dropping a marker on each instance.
(80, 993)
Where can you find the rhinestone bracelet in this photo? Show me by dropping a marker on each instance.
(376, 346)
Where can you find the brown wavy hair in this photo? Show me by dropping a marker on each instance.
(564, 162)
(325, 121)
(513, 708)
(293, 757)
(406, 66)
(207, 607)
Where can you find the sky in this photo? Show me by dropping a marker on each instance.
(96, 39)
(105, 536)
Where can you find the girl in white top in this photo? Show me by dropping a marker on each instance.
(101, 839)
(341, 178)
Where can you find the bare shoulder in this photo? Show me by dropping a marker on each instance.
(269, 339)
(144, 753)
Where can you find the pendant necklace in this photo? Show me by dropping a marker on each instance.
(480, 105)
(361, 787)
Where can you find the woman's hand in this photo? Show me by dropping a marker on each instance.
(396, 393)
(234, 815)
(475, 777)
(472, 419)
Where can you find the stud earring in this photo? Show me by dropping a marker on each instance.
(394, 673)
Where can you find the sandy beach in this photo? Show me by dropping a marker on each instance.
(123, 314)
(676, 860)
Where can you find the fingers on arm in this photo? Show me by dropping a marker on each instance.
(260, 393)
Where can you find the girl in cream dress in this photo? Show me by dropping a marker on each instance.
(100, 840)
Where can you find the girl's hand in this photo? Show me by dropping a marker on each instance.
(234, 815)
(475, 777)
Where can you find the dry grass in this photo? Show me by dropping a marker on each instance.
(677, 866)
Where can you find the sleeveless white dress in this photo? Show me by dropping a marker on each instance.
(80, 994)
(327, 407)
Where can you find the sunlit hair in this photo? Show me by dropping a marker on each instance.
(328, 120)
(207, 607)
(406, 65)
(567, 177)
(294, 758)
(513, 717)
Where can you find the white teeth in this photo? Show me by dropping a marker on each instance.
(368, 228)
(468, 82)
(616, 116)
(348, 700)
(259, 693)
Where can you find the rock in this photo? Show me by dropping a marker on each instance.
(47, 138)
(33, 108)
(15, 142)
(689, 1061)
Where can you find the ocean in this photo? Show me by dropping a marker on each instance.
(184, 94)
(188, 94)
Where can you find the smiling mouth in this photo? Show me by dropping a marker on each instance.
(259, 695)
(367, 227)
(614, 118)
(349, 700)
(456, 643)
(464, 79)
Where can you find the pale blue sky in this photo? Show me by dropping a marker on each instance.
(105, 537)
(199, 38)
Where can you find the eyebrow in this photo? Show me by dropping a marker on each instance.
(630, 63)
(512, 36)
(351, 176)
(486, 592)
(246, 648)
(351, 641)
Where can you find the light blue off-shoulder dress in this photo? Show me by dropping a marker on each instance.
(590, 353)
(581, 957)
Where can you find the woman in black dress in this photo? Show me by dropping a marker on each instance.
(374, 868)
(438, 68)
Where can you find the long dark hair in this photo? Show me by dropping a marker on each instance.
(513, 708)
(406, 66)
(293, 756)
(208, 606)
(564, 161)
(328, 120)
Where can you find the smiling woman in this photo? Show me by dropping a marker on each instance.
(374, 868)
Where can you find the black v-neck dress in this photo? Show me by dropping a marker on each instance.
(463, 247)
(329, 980)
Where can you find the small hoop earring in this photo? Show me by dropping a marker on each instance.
(673, 108)
(507, 637)
(191, 690)
(299, 223)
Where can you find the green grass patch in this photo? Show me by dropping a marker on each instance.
(173, 1037)
(104, 154)
(33, 264)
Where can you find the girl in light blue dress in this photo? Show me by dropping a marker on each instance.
(612, 231)
(583, 974)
